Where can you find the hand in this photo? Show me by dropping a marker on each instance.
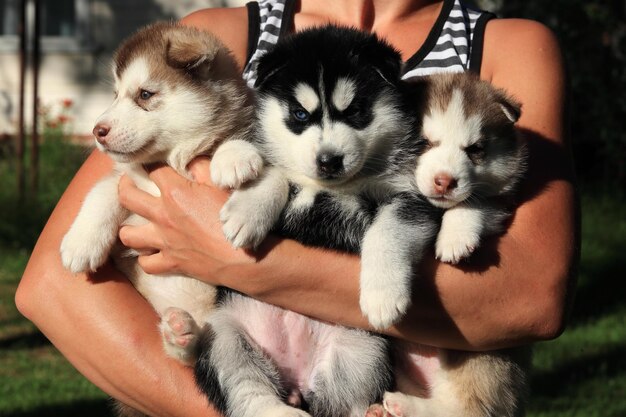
(183, 234)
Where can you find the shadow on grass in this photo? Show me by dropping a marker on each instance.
(568, 375)
(28, 341)
(603, 291)
(94, 408)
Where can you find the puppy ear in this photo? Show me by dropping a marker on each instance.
(386, 61)
(192, 51)
(268, 66)
(511, 108)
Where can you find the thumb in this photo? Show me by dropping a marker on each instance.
(200, 169)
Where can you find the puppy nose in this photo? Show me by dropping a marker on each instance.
(444, 183)
(329, 163)
(100, 131)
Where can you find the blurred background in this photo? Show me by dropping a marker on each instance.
(581, 374)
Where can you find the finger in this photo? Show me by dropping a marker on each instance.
(165, 177)
(200, 169)
(141, 238)
(136, 200)
(156, 264)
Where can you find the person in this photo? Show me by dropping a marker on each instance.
(516, 290)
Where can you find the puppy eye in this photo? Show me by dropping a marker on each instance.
(475, 148)
(301, 115)
(424, 143)
(352, 110)
(145, 94)
(475, 152)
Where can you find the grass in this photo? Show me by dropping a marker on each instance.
(581, 374)
(35, 380)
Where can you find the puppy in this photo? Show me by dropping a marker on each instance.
(470, 164)
(178, 95)
(330, 122)
(335, 131)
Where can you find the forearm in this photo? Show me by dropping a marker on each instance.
(514, 293)
(100, 323)
(109, 333)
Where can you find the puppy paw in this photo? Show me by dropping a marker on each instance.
(180, 335)
(398, 404)
(294, 398)
(452, 247)
(243, 222)
(79, 253)
(376, 410)
(235, 163)
(384, 307)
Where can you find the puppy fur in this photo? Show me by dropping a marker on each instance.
(471, 162)
(330, 120)
(178, 95)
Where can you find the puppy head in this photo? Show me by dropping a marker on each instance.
(471, 147)
(164, 95)
(328, 102)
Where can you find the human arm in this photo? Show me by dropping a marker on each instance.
(99, 322)
(519, 298)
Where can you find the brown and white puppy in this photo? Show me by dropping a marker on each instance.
(178, 94)
(471, 165)
(473, 162)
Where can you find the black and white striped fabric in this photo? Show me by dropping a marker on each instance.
(453, 48)
(454, 44)
(270, 14)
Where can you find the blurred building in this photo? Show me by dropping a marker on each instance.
(77, 41)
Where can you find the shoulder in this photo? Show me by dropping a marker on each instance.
(517, 44)
(228, 24)
(524, 58)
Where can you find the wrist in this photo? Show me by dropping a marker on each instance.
(249, 271)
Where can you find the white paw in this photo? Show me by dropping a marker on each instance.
(243, 221)
(452, 247)
(384, 307)
(180, 335)
(398, 404)
(79, 254)
(283, 410)
(235, 163)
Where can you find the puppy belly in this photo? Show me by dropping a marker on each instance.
(291, 340)
(415, 368)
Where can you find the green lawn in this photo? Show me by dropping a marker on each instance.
(35, 380)
(582, 374)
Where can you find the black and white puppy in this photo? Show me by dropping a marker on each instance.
(335, 133)
(332, 119)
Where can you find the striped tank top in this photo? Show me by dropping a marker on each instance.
(454, 43)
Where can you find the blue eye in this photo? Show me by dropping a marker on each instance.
(301, 115)
(145, 94)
